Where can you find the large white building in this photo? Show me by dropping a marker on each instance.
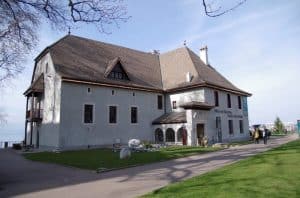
(88, 93)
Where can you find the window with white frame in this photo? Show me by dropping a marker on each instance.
(88, 117)
(230, 126)
(241, 126)
(134, 115)
(112, 114)
(174, 105)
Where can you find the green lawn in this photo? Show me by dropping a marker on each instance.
(240, 143)
(105, 158)
(275, 173)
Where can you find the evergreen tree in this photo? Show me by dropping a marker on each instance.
(278, 126)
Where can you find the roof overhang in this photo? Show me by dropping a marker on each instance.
(209, 85)
(114, 85)
(197, 105)
(37, 87)
(171, 118)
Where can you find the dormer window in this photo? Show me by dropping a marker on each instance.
(115, 70)
(118, 75)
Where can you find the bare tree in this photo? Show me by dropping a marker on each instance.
(214, 11)
(21, 19)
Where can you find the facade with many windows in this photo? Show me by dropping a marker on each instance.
(99, 94)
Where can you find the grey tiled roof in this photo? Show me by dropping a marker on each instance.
(171, 118)
(197, 105)
(88, 60)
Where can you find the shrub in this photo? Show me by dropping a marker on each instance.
(17, 146)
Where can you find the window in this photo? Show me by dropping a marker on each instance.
(134, 114)
(112, 92)
(118, 73)
(89, 90)
(112, 114)
(88, 113)
(218, 122)
(241, 126)
(230, 125)
(170, 135)
(228, 101)
(159, 135)
(174, 105)
(240, 102)
(216, 98)
(133, 94)
(159, 102)
(46, 70)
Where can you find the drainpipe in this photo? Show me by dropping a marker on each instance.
(165, 104)
(31, 117)
(25, 137)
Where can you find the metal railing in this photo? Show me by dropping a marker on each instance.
(9, 144)
(34, 114)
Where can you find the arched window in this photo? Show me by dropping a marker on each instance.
(170, 135)
(159, 135)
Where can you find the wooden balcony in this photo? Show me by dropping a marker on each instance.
(34, 115)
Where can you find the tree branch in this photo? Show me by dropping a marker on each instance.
(216, 12)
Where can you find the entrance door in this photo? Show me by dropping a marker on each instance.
(200, 134)
(184, 137)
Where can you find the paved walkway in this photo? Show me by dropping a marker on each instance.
(23, 178)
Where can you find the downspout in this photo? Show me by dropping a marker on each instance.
(31, 117)
(26, 122)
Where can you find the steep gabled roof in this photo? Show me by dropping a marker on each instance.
(177, 63)
(84, 60)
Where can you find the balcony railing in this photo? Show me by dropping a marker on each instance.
(34, 114)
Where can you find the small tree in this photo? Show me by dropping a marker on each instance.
(278, 126)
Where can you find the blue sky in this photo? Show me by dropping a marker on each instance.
(256, 47)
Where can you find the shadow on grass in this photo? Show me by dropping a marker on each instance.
(274, 173)
(19, 176)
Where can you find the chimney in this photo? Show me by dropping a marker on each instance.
(155, 52)
(188, 77)
(203, 55)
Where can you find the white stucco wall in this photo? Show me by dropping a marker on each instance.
(50, 103)
(184, 97)
(233, 113)
(208, 118)
(74, 133)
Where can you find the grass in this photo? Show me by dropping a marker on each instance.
(275, 173)
(240, 143)
(106, 159)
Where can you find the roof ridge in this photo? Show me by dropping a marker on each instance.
(111, 44)
(210, 67)
(50, 46)
(189, 51)
(160, 68)
(173, 50)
